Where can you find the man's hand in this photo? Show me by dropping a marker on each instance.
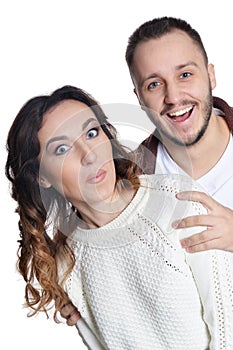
(218, 220)
(70, 313)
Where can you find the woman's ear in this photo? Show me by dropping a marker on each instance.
(43, 182)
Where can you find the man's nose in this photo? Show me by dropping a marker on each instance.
(172, 93)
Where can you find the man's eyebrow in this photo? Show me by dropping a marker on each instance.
(64, 137)
(178, 67)
(148, 77)
(189, 63)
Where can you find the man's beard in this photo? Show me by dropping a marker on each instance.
(163, 133)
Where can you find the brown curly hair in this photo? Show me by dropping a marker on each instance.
(39, 252)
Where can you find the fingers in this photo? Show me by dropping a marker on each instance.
(206, 240)
(71, 314)
(200, 241)
(195, 220)
(73, 318)
(213, 244)
(218, 220)
(196, 196)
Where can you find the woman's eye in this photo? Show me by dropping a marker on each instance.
(62, 149)
(92, 133)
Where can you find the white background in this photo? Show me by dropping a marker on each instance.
(46, 44)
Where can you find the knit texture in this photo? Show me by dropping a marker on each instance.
(136, 287)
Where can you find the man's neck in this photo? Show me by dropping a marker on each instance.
(200, 158)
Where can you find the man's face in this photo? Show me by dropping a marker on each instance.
(174, 84)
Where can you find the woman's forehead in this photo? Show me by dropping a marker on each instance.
(68, 109)
(67, 117)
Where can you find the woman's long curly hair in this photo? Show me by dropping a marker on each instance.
(39, 251)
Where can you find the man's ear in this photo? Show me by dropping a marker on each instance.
(141, 105)
(137, 94)
(43, 182)
(211, 72)
(135, 91)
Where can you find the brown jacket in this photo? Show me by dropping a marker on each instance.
(146, 152)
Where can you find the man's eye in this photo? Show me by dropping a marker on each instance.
(185, 75)
(62, 149)
(92, 133)
(153, 85)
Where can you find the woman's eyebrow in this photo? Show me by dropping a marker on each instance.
(87, 122)
(64, 137)
(56, 138)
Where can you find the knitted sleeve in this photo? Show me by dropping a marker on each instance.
(88, 336)
(213, 274)
(212, 271)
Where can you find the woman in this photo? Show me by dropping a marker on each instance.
(95, 231)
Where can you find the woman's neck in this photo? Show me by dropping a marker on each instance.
(101, 214)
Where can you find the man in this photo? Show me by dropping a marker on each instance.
(173, 82)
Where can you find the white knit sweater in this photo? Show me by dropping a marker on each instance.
(137, 289)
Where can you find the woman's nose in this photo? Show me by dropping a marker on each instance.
(88, 155)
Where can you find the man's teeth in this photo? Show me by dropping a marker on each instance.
(181, 112)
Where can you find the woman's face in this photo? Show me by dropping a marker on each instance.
(76, 155)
